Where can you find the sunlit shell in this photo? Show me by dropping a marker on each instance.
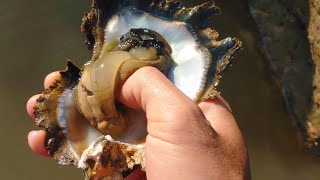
(84, 123)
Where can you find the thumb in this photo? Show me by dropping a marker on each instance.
(171, 115)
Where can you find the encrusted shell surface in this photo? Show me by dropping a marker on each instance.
(198, 61)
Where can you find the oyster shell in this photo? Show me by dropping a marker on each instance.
(85, 125)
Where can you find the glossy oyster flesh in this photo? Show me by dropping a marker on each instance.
(85, 125)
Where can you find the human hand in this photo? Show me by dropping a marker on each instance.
(185, 140)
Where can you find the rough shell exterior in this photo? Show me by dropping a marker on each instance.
(46, 115)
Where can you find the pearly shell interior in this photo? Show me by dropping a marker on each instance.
(192, 60)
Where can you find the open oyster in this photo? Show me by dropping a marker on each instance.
(85, 125)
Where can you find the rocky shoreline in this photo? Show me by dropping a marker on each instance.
(284, 23)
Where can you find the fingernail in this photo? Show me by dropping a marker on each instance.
(224, 103)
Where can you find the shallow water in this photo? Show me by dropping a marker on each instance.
(37, 37)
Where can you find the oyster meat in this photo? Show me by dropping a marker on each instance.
(85, 124)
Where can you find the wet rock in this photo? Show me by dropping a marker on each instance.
(314, 36)
(282, 25)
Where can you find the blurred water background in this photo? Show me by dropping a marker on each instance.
(37, 37)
